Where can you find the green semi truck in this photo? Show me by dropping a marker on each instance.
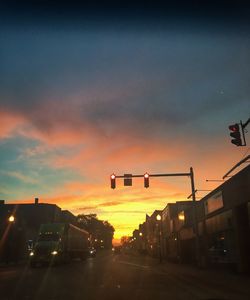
(59, 242)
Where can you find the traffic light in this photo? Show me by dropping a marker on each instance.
(112, 181)
(235, 134)
(146, 180)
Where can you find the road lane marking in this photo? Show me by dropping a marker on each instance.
(132, 264)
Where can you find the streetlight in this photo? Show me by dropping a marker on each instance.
(158, 218)
(11, 219)
(141, 243)
(181, 216)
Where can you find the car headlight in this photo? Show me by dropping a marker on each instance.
(31, 253)
(54, 252)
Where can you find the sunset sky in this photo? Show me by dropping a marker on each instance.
(81, 98)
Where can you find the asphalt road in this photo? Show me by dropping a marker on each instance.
(109, 276)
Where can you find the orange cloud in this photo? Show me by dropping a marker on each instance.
(96, 155)
(9, 123)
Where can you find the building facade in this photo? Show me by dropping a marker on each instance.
(212, 231)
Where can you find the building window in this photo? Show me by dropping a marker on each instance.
(214, 203)
(219, 222)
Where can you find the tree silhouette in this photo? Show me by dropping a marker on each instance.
(101, 232)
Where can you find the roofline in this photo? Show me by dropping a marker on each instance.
(220, 187)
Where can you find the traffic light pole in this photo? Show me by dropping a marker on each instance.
(195, 227)
(243, 126)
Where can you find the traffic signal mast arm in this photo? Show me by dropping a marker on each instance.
(156, 175)
(236, 166)
(146, 177)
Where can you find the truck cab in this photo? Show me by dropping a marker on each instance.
(50, 244)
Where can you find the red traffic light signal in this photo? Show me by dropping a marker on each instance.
(235, 134)
(146, 180)
(112, 181)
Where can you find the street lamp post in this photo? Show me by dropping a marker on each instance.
(140, 242)
(158, 218)
(195, 225)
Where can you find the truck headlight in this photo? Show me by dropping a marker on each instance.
(54, 252)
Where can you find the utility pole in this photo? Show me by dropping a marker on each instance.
(195, 227)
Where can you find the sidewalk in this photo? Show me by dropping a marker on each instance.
(229, 284)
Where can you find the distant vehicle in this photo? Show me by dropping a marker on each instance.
(30, 245)
(92, 252)
(59, 242)
(116, 250)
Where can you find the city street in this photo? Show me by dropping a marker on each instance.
(124, 126)
(121, 276)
